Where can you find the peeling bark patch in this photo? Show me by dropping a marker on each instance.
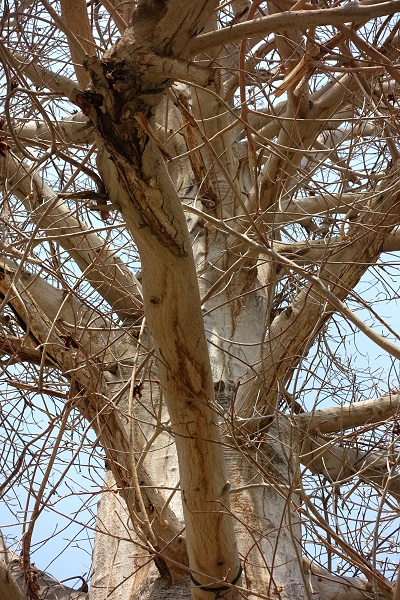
(148, 203)
(126, 142)
(190, 372)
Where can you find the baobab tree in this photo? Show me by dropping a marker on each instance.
(192, 195)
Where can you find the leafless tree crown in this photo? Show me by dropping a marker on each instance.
(199, 299)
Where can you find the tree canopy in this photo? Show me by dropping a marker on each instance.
(199, 227)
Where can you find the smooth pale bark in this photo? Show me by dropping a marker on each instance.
(119, 563)
(154, 217)
(346, 416)
(234, 326)
(267, 522)
(75, 129)
(294, 211)
(116, 537)
(75, 16)
(42, 76)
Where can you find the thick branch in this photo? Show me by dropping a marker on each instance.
(332, 587)
(14, 347)
(43, 77)
(316, 250)
(301, 20)
(12, 586)
(345, 416)
(106, 272)
(76, 19)
(31, 303)
(75, 128)
(295, 328)
(173, 312)
(341, 464)
(294, 211)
